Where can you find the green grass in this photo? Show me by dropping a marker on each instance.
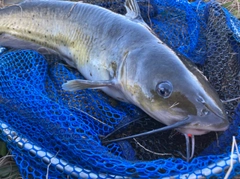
(232, 5)
(8, 168)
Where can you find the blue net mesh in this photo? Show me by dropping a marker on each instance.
(58, 134)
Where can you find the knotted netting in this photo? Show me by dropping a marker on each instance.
(57, 134)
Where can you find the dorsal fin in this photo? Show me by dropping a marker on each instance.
(133, 10)
(134, 13)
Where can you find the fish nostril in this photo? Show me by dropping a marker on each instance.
(200, 99)
(204, 112)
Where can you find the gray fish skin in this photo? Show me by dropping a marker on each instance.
(10, 2)
(108, 47)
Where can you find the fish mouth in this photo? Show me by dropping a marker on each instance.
(202, 125)
(197, 131)
(209, 118)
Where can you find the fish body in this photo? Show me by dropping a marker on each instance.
(121, 56)
(9, 2)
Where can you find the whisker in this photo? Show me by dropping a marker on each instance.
(187, 147)
(174, 105)
(193, 147)
(187, 120)
(122, 126)
(230, 100)
(181, 155)
(217, 140)
(188, 158)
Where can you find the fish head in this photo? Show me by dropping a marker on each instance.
(170, 89)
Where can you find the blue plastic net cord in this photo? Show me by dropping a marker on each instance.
(43, 125)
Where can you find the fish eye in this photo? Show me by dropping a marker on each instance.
(164, 89)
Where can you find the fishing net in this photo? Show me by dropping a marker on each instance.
(57, 134)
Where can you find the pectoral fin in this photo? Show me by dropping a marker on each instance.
(75, 85)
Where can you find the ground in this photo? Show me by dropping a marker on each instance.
(232, 5)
